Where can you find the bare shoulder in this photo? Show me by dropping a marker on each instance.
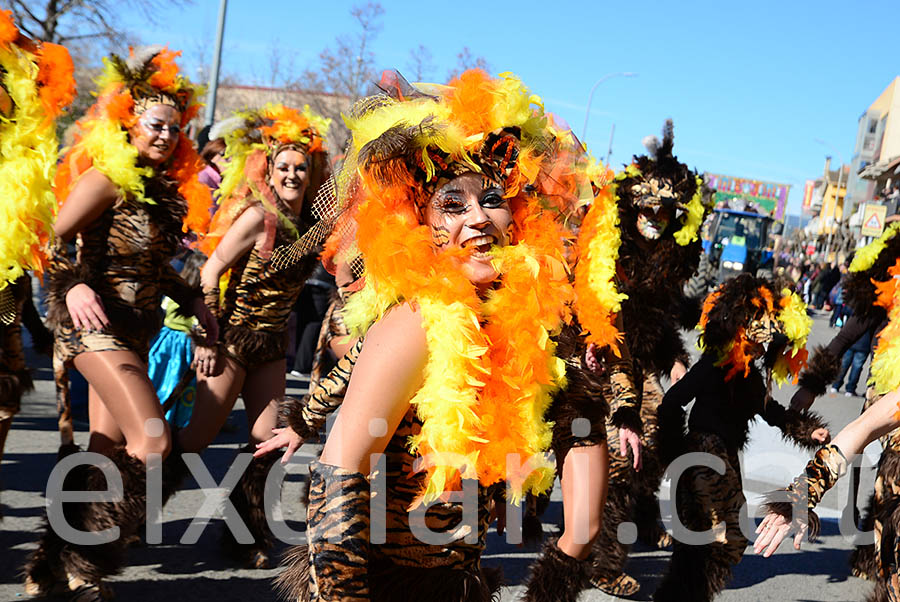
(400, 327)
(96, 186)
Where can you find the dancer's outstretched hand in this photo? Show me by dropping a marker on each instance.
(284, 437)
(86, 308)
(628, 438)
(773, 529)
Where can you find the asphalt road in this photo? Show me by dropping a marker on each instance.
(174, 570)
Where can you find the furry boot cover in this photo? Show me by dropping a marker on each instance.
(555, 576)
(85, 566)
(693, 575)
(248, 497)
(862, 560)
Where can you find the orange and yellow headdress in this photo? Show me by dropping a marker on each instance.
(252, 141)
(36, 83)
(127, 87)
(728, 313)
(492, 366)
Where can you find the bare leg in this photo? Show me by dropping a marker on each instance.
(584, 481)
(120, 378)
(105, 433)
(262, 390)
(215, 399)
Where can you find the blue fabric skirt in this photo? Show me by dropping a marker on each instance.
(170, 358)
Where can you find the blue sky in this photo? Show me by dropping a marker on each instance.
(750, 86)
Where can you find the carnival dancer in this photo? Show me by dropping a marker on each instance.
(457, 208)
(746, 319)
(870, 265)
(276, 164)
(128, 191)
(880, 420)
(36, 83)
(599, 376)
(661, 209)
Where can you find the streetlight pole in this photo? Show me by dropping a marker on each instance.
(217, 60)
(836, 193)
(587, 111)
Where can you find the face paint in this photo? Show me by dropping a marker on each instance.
(652, 225)
(469, 212)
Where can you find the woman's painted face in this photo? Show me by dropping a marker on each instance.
(290, 176)
(469, 212)
(155, 135)
(652, 225)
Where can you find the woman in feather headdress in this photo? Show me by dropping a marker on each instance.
(128, 192)
(36, 84)
(458, 194)
(276, 165)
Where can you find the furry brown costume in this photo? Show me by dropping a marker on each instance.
(653, 274)
(725, 403)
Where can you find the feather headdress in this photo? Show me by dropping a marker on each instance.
(491, 361)
(127, 87)
(252, 141)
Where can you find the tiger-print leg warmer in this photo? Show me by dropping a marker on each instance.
(248, 498)
(85, 566)
(555, 576)
(337, 527)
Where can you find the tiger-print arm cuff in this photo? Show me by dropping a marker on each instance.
(337, 526)
(625, 399)
(822, 370)
(821, 473)
(307, 416)
(62, 275)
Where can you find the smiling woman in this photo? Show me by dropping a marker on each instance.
(128, 191)
(277, 163)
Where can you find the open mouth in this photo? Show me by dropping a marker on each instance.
(480, 245)
(291, 185)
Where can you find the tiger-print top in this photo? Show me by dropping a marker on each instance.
(14, 375)
(259, 300)
(124, 257)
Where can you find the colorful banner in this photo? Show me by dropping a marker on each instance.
(768, 197)
(809, 191)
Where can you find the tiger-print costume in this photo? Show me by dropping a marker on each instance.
(706, 499)
(630, 498)
(124, 257)
(402, 567)
(259, 299)
(880, 561)
(332, 327)
(15, 378)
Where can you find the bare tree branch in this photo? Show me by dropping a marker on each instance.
(465, 61)
(421, 64)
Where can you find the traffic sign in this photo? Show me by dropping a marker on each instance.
(873, 219)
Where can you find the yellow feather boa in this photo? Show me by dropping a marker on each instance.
(865, 257)
(694, 219)
(27, 165)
